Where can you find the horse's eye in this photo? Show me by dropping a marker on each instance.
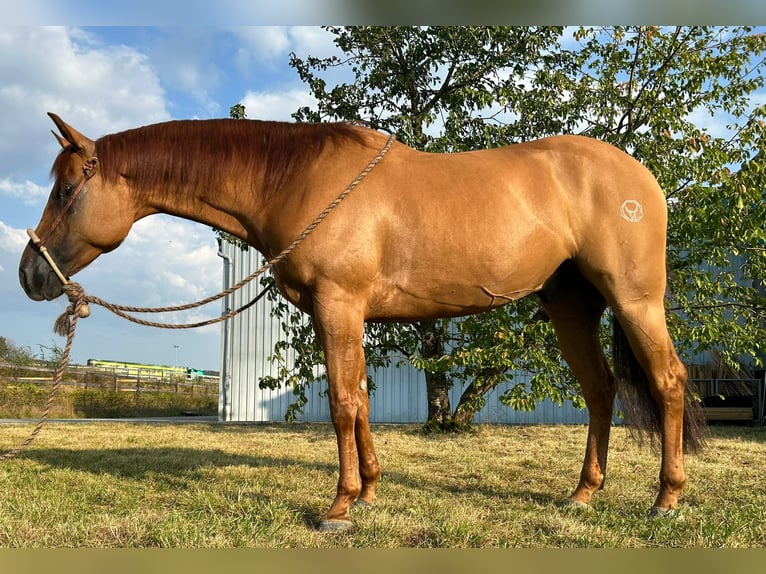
(67, 190)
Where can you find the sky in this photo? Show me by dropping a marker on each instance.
(105, 71)
(106, 79)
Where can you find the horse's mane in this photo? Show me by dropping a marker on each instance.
(204, 153)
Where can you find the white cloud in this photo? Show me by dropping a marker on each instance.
(28, 192)
(95, 88)
(276, 105)
(183, 57)
(260, 45)
(12, 241)
(271, 44)
(163, 261)
(313, 40)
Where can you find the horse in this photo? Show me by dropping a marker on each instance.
(574, 220)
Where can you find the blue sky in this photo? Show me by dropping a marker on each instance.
(105, 79)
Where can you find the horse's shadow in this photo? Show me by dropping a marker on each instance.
(180, 467)
(176, 467)
(140, 462)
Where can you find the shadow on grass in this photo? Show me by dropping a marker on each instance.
(729, 430)
(180, 468)
(140, 462)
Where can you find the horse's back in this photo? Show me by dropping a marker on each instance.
(587, 178)
(562, 193)
(459, 233)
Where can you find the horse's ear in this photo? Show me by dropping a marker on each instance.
(64, 143)
(72, 137)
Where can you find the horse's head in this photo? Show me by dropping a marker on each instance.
(83, 218)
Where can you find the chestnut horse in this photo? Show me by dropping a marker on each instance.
(572, 219)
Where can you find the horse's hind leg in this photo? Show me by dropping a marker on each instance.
(651, 379)
(575, 308)
(643, 323)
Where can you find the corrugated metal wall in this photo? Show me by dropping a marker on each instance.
(248, 339)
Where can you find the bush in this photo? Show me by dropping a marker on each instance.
(22, 400)
(88, 403)
(27, 400)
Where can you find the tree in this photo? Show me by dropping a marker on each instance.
(407, 80)
(15, 355)
(643, 89)
(647, 90)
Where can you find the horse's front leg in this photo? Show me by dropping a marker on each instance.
(340, 330)
(369, 468)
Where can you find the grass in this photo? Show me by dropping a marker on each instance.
(197, 485)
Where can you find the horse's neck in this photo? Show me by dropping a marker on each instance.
(247, 203)
(219, 208)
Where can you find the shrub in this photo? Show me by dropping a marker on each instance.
(89, 403)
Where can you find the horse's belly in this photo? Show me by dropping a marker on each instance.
(458, 257)
(458, 289)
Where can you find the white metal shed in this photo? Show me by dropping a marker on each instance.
(247, 340)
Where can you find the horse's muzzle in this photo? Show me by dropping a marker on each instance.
(37, 277)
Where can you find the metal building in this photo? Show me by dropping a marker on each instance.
(247, 341)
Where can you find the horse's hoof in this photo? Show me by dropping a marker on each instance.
(359, 503)
(334, 525)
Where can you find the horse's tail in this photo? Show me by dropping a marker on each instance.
(641, 411)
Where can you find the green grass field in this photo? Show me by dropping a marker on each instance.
(196, 485)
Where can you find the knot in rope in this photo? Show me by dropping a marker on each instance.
(78, 306)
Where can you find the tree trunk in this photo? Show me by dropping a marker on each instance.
(473, 399)
(437, 384)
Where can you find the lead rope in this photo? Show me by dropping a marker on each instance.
(78, 308)
(12, 453)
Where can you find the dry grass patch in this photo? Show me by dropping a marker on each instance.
(197, 485)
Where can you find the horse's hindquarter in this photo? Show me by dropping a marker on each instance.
(467, 232)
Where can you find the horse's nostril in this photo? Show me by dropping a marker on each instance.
(27, 285)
